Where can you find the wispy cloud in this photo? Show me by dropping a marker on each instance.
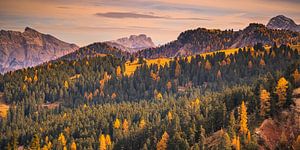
(121, 15)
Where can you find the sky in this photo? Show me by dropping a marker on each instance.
(86, 21)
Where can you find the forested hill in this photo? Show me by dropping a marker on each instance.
(212, 102)
(206, 40)
(96, 49)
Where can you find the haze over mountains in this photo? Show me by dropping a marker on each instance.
(30, 48)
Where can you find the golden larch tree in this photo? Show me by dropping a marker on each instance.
(207, 65)
(142, 124)
(244, 119)
(102, 142)
(163, 143)
(107, 140)
(35, 143)
(125, 125)
(118, 72)
(281, 91)
(66, 84)
(73, 146)
(117, 124)
(170, 116)
(62, 141)
(264, 102)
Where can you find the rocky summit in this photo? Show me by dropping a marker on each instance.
(133, 43)
(282, 22)
(29, 48)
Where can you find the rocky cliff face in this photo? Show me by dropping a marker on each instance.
(282, 22)
(132, 44)
(29, 48)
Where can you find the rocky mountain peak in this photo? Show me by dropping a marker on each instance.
(29, 48)
(283, 22)
(133, 43)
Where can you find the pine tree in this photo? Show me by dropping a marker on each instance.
(244, 119)
(102, 142)
(163, 143)
(264, 102)
(232, 124)
(177, 69)
(117, 124)
(296, 76)
(281, 91)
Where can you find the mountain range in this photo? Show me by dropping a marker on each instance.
(29, 48)
(203, 40)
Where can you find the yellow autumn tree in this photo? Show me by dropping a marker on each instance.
(170, 116)
(48, 144)
(238, 143)
(66, 84)
(62, 141)
(142, 124)
(248, 137)
(73, 146)
(163, 143)
(281, 91)
(207, 65)
(107, 140)
(118, 72)
(35, 78)
(117, 124)
(35, 143)
(125, 125)
(244, 119)
(102, 142)
(264, 102)
(169, 85)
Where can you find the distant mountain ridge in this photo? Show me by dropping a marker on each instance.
(283, 22)
(29, 48)
(203, 40)
(132, 44)
(96, 49)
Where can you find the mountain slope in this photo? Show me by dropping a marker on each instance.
(132, 44)
(205, 40)
(282, 22)
(96, 49)
(29, 48)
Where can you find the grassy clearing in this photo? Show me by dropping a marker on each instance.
(3, 107)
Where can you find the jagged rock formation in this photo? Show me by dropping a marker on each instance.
(132, 44)
(29, 48)
(282, 22)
